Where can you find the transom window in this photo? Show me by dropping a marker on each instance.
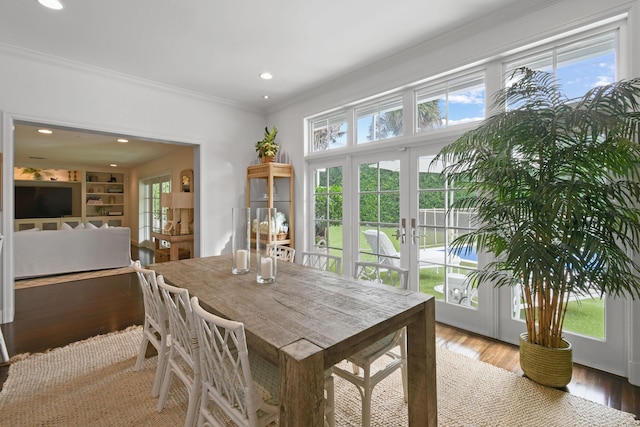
(379, 120)
(329, 132)
(449, 103)
(578, 66)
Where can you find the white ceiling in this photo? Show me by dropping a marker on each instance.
(218, 49)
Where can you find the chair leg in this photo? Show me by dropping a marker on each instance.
(142, 352)
(366, 398)
(166, 383)
(403, 366)
(329, 404)
(162, 364)
(194, 401)
(3, 348)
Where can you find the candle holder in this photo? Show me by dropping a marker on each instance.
(240, 242)
(265, 242)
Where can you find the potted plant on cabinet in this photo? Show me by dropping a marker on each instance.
(267, 147)
(555, 184)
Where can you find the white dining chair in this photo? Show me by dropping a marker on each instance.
(283, 253)
(322, 261)
(386, 347)
(235, 382)
(183, 359)
(3, 346)
(241, 385)
(155, 330)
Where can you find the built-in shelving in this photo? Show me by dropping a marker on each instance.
(98, 196)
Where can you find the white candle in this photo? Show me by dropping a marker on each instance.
(266, 268)
(242, 261)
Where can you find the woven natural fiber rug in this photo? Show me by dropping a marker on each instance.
(92, 383)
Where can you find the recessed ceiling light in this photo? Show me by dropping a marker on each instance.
(122, 140)
(47, 131)
(265, 96)
(113, 165)
(266, 75)
(51, 4)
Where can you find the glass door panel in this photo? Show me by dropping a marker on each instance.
(379, 204)
(443, 271)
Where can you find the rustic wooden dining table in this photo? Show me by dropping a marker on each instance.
(309, 320)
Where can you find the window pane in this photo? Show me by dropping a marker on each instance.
(431, 106)
(466, 102)
(379, 120)
(321, 207)
(367, 127)
(368, 208)
(389, 175)
(586, 64)
(453, 102)
(390, 208)
(368, 177)
(335, 207)
(329, 133)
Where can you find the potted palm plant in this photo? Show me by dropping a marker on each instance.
(267, 147)
(555, 184)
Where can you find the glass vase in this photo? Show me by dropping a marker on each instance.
(240, 240)
(266, 267)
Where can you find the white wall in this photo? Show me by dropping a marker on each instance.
(50, 91)
(474, 43)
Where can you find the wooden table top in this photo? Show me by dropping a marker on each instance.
(338, 314)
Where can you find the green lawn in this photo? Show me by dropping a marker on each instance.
(584, 317)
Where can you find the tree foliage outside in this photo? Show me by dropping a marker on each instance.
(555, 183)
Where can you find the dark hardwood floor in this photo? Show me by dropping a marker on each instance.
(55, 315)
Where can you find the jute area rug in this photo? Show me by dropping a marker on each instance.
(92, 383)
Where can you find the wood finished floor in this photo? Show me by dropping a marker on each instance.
(55, 315)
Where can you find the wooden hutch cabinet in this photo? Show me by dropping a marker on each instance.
(270, 185)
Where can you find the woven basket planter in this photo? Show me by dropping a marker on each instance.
(552, 367)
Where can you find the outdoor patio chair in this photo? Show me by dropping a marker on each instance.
(429, 257)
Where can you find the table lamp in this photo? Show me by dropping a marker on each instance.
(181, 211)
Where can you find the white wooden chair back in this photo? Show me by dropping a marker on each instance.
(227, 374)
(183, 359)
(382, 273)
(322, 261)
(155, 330)
(283, 253)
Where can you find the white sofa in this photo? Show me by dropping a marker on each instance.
(40, 253)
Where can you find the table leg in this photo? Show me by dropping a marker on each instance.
(421, 365)
(301, 385)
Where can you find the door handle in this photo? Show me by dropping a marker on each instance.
(415, 236)
(401, 233)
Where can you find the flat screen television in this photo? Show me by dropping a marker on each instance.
(43, 202)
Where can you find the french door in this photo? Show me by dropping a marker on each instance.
(401, 216)
(403, 219)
